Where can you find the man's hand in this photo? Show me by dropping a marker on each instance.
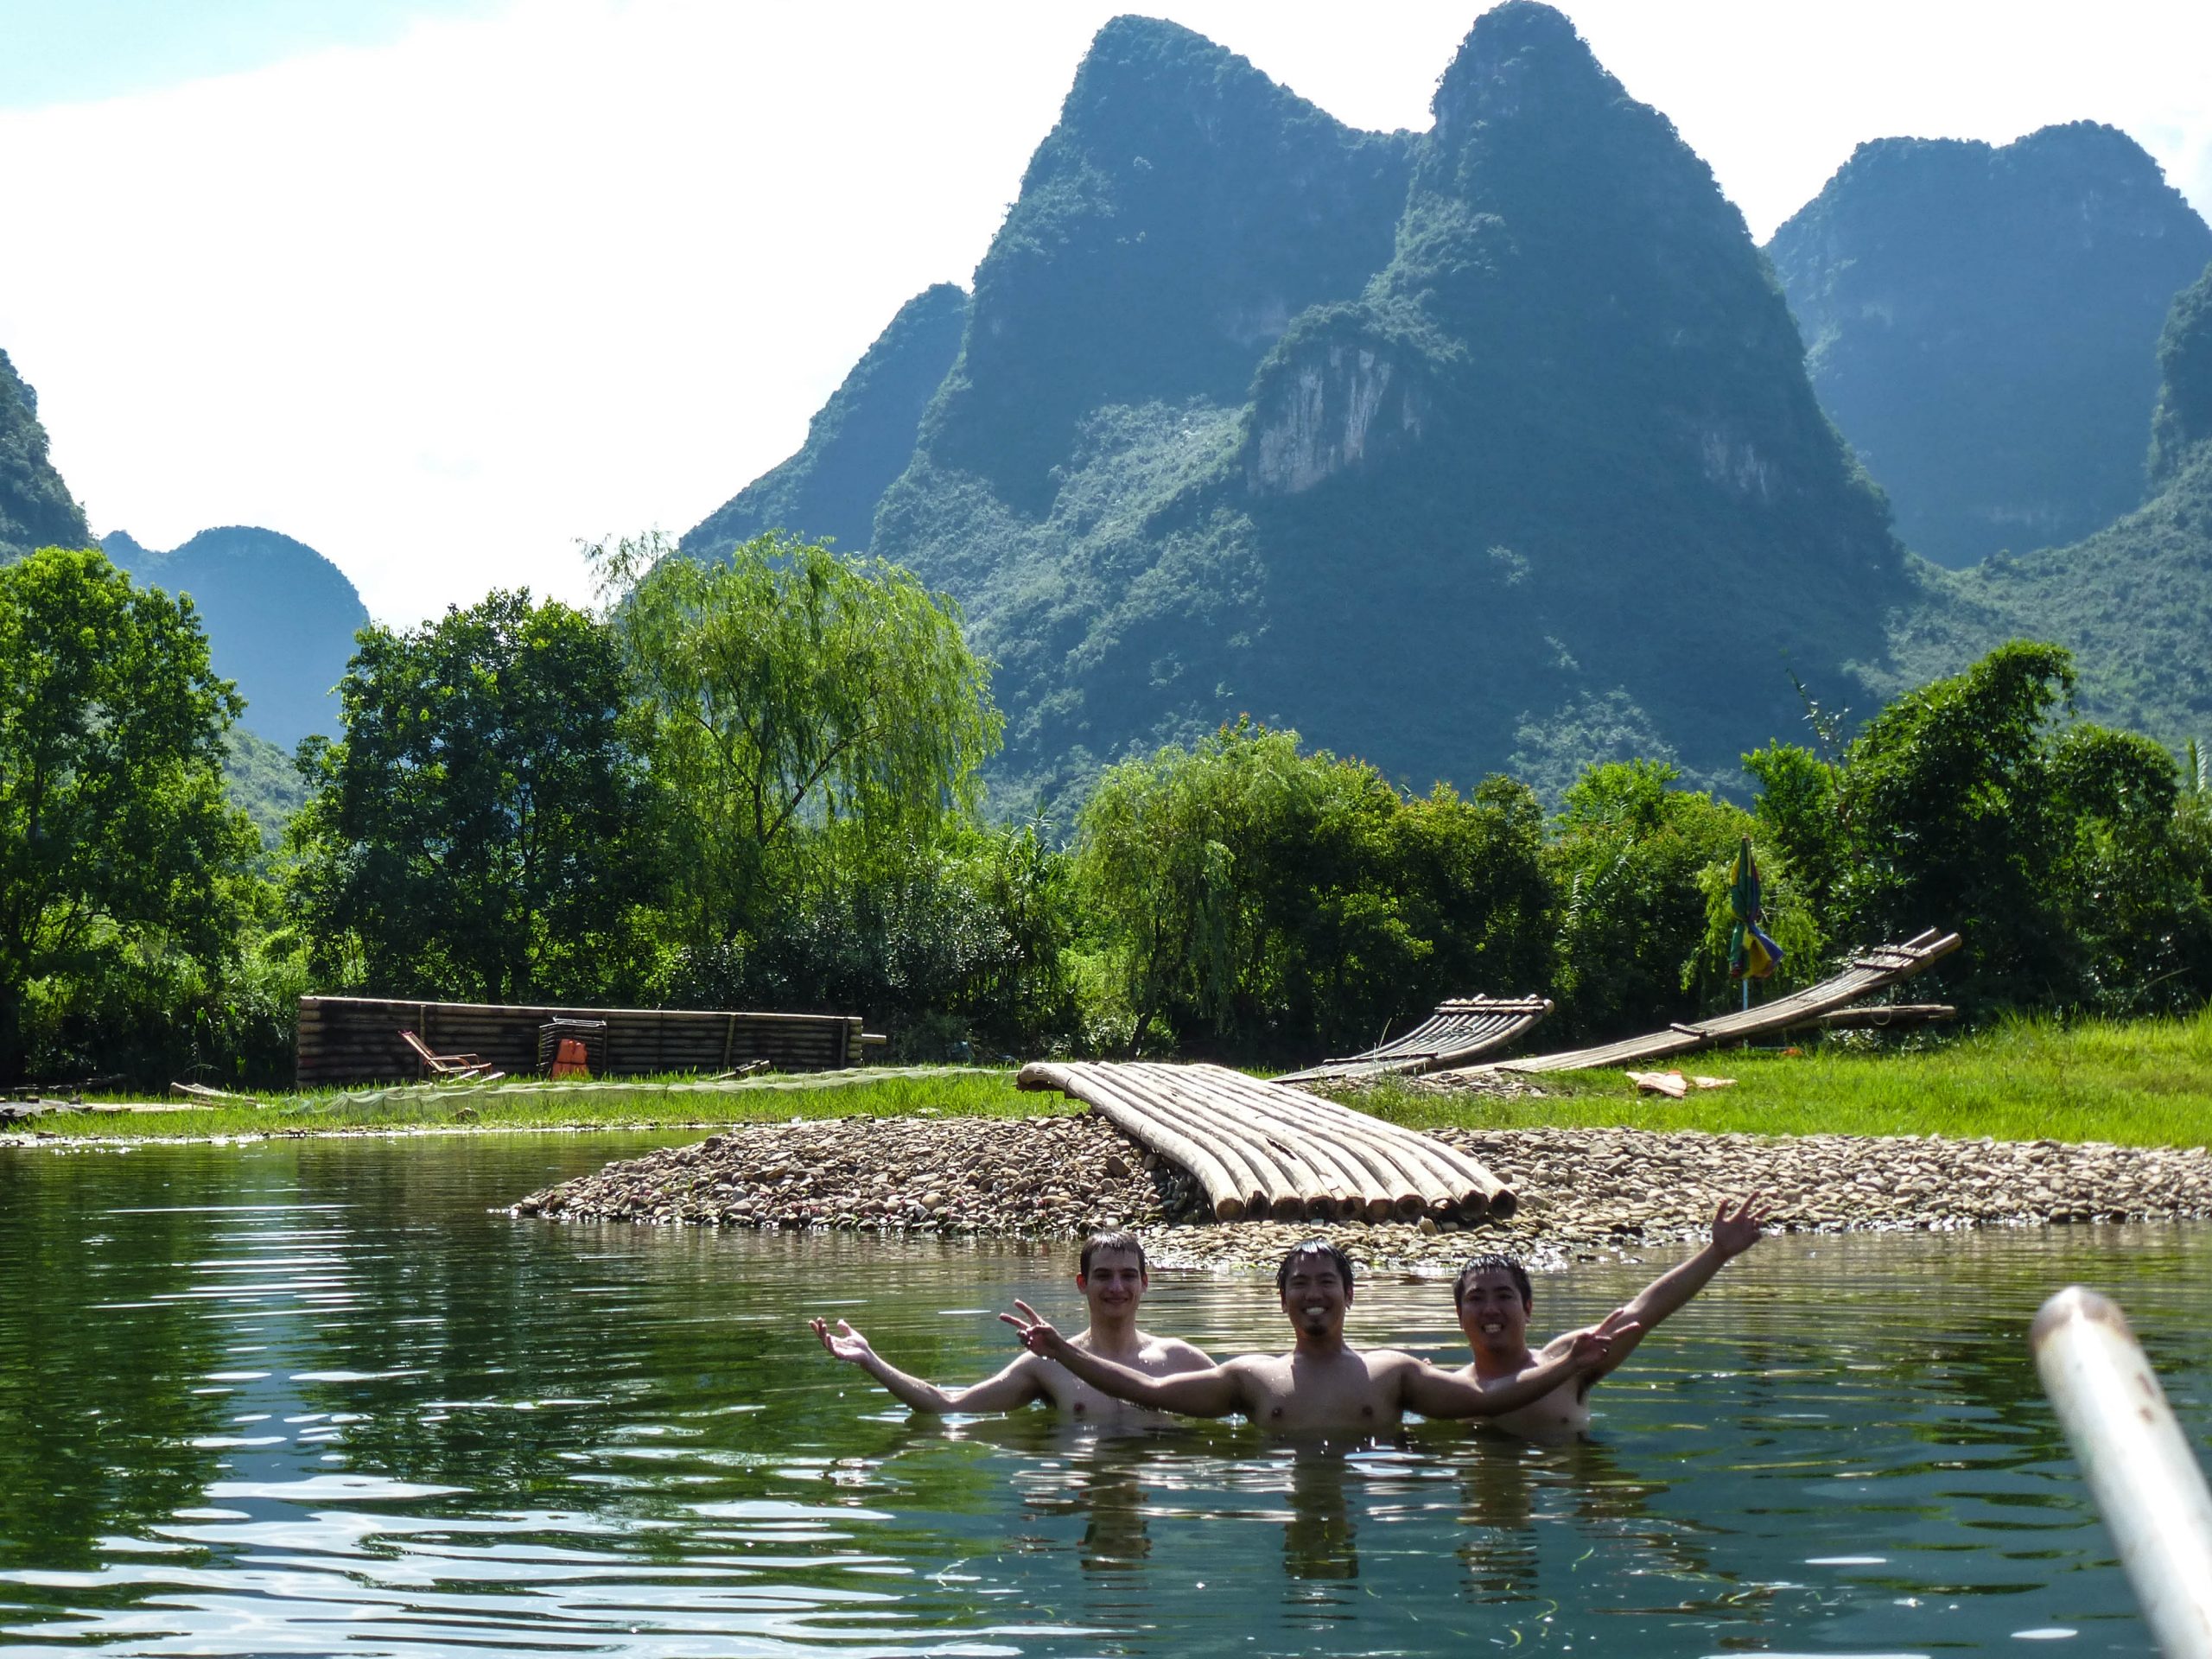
(848, 1345)
(1592, 1347)
(1734, 1234)
(1036, 1334)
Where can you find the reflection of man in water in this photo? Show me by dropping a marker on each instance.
(1111, 1275)
(1322, 1382)
(1494, 1300)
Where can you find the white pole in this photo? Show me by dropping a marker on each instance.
(2138, 1463)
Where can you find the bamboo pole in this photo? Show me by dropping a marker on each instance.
(1273, 1189)
(2138, 1462)
(1385, 1187)
(1431, 1178)
(1212, 1176)
(1410, 1188)
(1251, 1184)
(1324, 1188)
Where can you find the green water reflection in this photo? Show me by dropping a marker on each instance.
(315, 1397)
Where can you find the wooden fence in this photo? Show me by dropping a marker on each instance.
(356, 1038)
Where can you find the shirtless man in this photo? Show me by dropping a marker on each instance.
(1111, 1276)
(1322, 1382)
(1493, 1297)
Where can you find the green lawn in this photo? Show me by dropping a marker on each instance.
(2141, 1082)
(2144, 1082)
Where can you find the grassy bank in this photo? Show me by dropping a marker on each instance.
(2137, 1083)
(536, 1104)
(2141, 1083)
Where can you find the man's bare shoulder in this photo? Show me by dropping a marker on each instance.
(1390, 1362)
(1172, 1353)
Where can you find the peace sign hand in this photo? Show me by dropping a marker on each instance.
(1036, 1334)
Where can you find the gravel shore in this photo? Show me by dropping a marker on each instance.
(1583, 1192)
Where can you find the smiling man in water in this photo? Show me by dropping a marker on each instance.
(1495, 1299)
(1110, 1274)
(1323, 1384)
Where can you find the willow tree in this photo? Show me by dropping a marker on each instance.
(802, 709)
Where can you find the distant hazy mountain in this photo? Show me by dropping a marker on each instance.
(1491, 447)
(857, 443)
(37, 509)
(2134, 600)
(280, 619)
(1981, 322)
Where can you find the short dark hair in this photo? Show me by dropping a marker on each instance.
(1505, 1264)
(1338, 1259)
(1127, 1243)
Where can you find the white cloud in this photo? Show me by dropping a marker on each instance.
(440, 308)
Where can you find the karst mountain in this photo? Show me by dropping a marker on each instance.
(1982, 322)
(1486, 448)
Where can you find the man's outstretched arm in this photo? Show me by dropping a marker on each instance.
(1736, 1224)
(1214, 1392)
(1015, 1386)
(1435, 1393)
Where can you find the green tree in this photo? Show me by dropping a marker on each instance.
(483, 828)
(799, 707)
(1274, 902)
(1635, 861)
(114, 833)
(2069, 857)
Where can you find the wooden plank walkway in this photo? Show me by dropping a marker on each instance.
(1872, 971)
(1258, 1149)
(1462, 1029)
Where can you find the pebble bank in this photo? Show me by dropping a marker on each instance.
(1584, 1192)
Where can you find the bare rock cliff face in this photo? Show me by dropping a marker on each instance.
(1338, 407)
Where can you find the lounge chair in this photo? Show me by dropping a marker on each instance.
(1460, 1030)
(450, 1068)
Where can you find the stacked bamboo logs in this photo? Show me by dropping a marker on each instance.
(345, 1039)
(1260, 1149)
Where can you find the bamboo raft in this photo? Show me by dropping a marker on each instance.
(1258, 1149)
(1883, 966)
(1461, 1030)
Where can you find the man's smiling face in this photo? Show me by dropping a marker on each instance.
(1114, 1284)
(1492, 1314)
(1315, 1296)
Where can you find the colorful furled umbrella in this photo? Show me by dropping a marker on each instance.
(1751, 954)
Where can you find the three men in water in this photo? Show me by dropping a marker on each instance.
(1323, 1383)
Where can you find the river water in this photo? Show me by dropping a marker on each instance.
(321, 1397)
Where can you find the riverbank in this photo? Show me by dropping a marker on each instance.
(1584, 1192)
(2133, 1083)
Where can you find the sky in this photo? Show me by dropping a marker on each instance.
(446, 288)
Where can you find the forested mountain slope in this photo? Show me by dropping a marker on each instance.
(857, 443)
(37, 509)
(1491, 447)
(1983, 322)
(2134, 602)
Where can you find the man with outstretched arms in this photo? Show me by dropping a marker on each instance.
(1322, 1382)
(1111, 1276)
(1494, 1300)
